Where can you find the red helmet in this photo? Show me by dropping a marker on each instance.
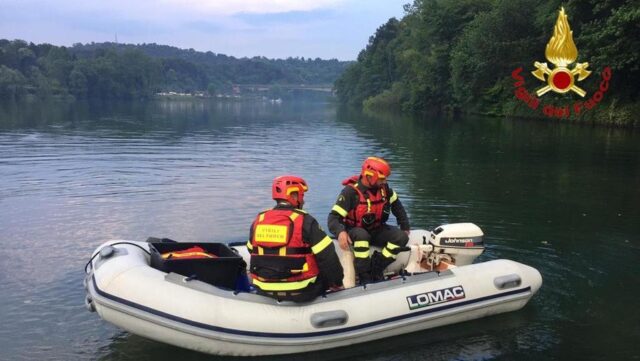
(284, 185)
(376, 168)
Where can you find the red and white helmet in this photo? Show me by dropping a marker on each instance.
(376, 168)
(285, 185)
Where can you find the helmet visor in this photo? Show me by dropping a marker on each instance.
(300, 188)
(373, 173)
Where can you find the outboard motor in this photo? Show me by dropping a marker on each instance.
(463, 242)
(448, 245)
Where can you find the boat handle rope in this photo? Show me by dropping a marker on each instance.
(113, 244)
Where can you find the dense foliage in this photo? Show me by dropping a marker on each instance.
(124, 71)
(458, 55)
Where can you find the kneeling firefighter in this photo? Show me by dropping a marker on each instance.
(359, 218)
(291, 257)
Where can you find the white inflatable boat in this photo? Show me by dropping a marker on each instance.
(437, 286)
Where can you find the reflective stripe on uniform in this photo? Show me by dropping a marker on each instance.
(293, 216)
(261, 217)
(326, 241)
(339, 210)
(283, 286)
(387, 251)
(305, 268)
(387, 254)
(361, 244)
(364, 254)
(249, 246)
(361, 249)
(394, 197)
(391, 246)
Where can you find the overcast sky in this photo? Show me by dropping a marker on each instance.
(271, 28)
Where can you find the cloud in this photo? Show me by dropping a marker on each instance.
(165, 10)
(273, 28)
(291, 17)
(251, 6)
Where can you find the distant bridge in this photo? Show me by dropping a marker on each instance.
(265, 87)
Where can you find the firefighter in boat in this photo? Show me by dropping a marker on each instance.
(359, 217)
(292, 258)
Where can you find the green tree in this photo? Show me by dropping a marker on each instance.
(11, 83)
(458, 55)
(211, 89)
(609, 35)
(78, 85)
(126, 71)
(375, 70)
(491, 46)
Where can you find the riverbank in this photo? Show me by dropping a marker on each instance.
(493, 58)
(610, 114)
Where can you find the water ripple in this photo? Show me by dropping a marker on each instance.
(201, 171)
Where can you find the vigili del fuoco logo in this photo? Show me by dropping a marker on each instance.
(561, 77)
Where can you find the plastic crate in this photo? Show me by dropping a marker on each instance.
(222, 271)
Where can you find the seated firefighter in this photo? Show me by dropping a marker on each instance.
(292, 258)
(359, 218)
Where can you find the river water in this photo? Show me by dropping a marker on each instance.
(562, 198)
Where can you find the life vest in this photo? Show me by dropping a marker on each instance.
(372, 209)
(280, 260)
(195, 252)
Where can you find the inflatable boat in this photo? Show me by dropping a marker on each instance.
(433, 283)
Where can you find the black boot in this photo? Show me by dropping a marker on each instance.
(378, 264)
(364, 278)
(363, 270)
